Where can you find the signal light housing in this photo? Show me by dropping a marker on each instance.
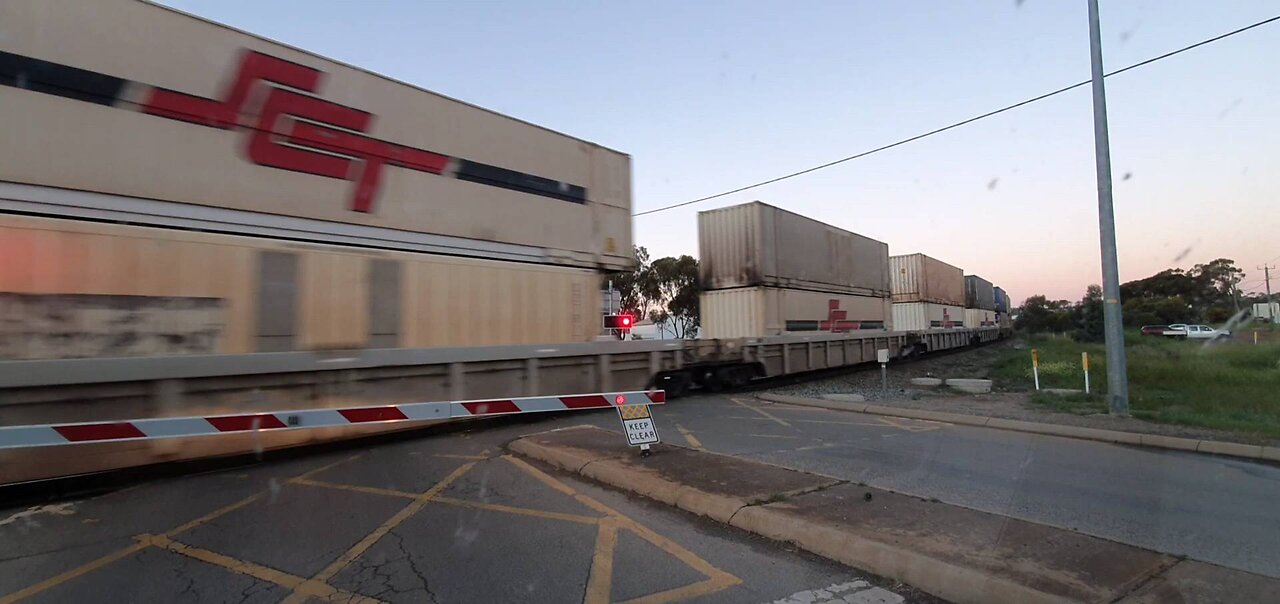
(623, 322)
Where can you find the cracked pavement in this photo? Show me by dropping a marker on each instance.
(440, 516)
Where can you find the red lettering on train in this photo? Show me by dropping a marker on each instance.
(290, 130)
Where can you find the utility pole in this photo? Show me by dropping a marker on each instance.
(1271, 310)
(1113, 328)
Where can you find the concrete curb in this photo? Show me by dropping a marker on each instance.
(940, 578)
(1214, 447)
(923, 570)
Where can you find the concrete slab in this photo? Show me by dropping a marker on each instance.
(573, 448)
(713, 474)
(926, 382)
(845, 397)
(973, 386)
(1001, 550)
(1191, 581)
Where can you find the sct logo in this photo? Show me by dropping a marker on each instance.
(295, 131)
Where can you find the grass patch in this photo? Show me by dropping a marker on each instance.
(774, 498)
(1233, 386)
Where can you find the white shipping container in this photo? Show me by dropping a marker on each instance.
(919, 316)
(919, 278)
(979, 317)
(1266, 311)
(756, 244)
(196, 119)
(769, 311)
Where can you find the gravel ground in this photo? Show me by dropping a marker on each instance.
(1010, 405)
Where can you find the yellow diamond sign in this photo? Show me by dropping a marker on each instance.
(634, 412)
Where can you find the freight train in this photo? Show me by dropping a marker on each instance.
(202, 220)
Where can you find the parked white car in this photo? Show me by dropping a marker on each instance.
(1195, 332)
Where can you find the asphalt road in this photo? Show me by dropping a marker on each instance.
(441, 517)
(1215, 509)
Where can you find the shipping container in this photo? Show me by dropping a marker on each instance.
(1266, 311)
(919, 316)
(1002, 299)
(979, 317)
(919, 278)
(979, 293)
(756, 244)
(769, 311)
(178, 118)
(81, 289)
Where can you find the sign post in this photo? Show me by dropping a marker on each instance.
(638, 424)
(882, 356)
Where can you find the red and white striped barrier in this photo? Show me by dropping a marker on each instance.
(171, 427)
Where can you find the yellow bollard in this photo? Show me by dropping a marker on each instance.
(1084, 360)
(1035, 366)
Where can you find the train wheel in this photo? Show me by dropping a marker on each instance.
(674, 383)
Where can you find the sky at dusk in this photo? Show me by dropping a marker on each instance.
(710, 96)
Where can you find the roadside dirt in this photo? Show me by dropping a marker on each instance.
(1009, 405)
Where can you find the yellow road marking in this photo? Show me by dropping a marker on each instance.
(364, 544)
(907, 427)
(71, 574)
(213, 515)
(540, 475)
(716, 579)
(509, 509)
(356, 488)
(761, 412)
(600, 583)
(136, 547)
(688, 436)
(257, 571)
(313, 472)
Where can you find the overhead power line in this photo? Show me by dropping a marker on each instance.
(962, 122)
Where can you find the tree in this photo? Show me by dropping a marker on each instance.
(1089, 321)
(677, 285)
(1040, 314)
(636, 288)
(1207, 292)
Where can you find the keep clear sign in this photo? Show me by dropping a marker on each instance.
(637, 422)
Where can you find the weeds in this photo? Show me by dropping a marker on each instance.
(1231, 386)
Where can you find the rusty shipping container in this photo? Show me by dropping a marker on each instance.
(756, 244)
(979, 293)
(82, 289)
(769, 311)
(920, 278)
(919, 316)
(173, 120)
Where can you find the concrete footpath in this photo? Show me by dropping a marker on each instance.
(952, 552)
(1214, 447)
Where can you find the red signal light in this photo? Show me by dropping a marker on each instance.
(623, 322)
